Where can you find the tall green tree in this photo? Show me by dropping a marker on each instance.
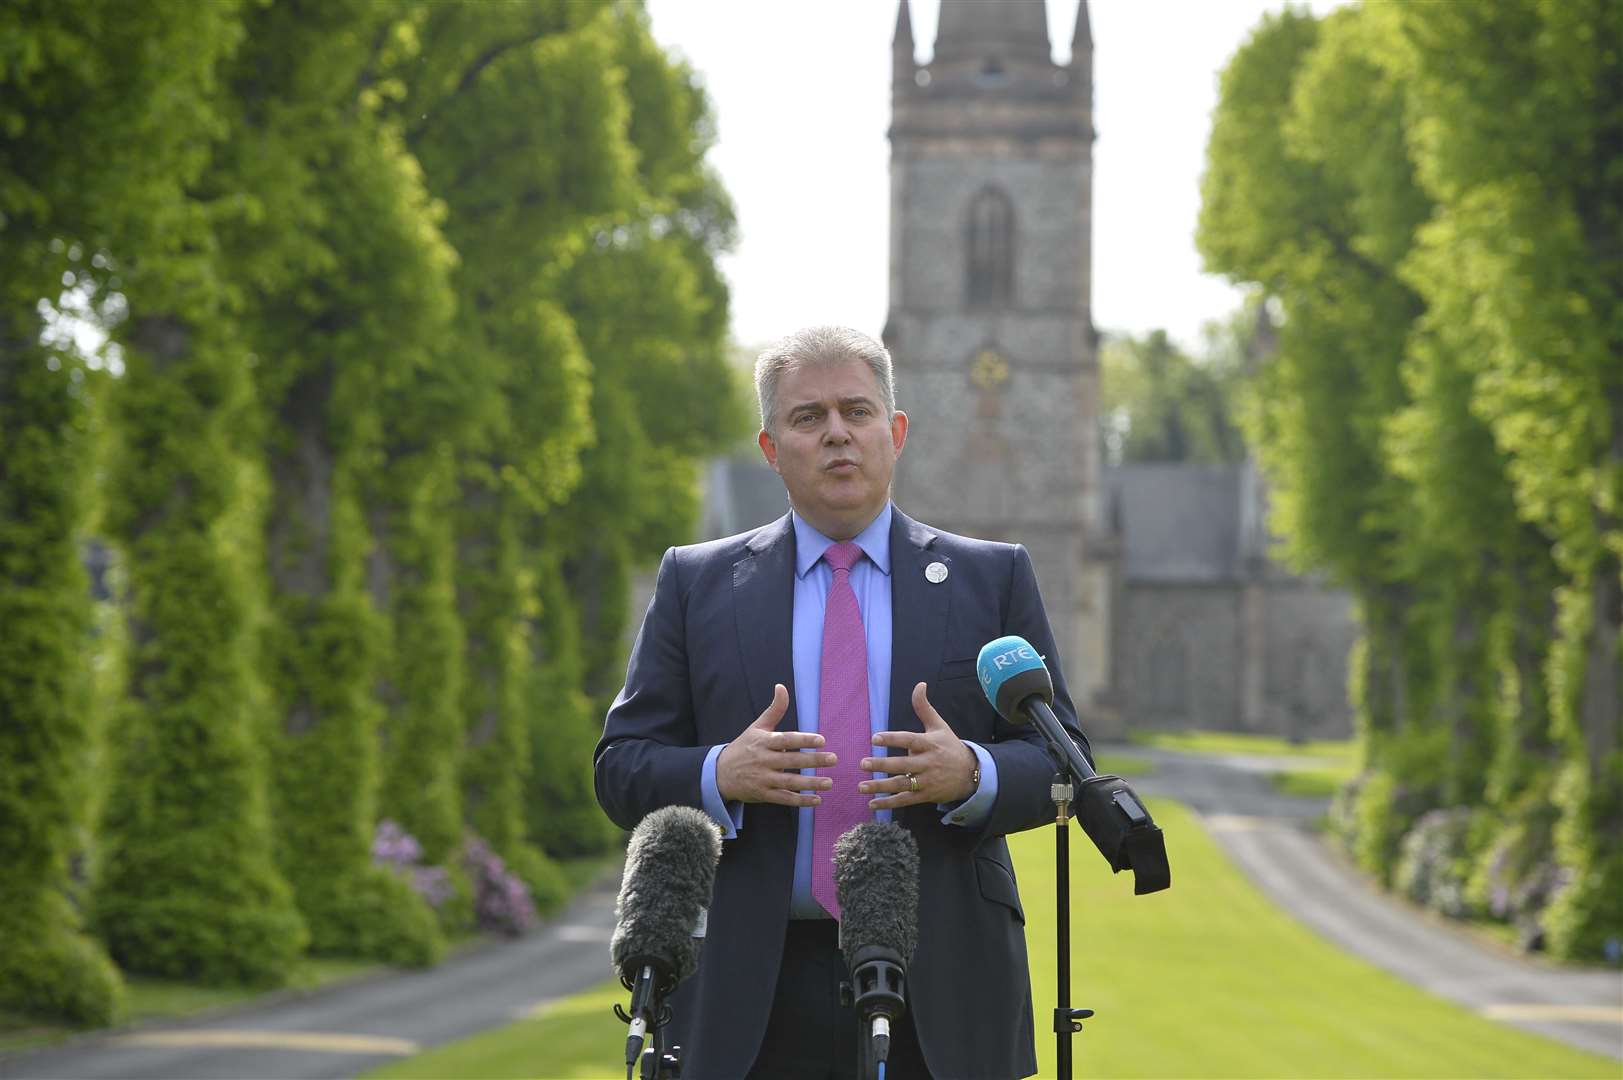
(1276, 216)
(411, 579)
(95, 146)
(1521, 145)
(188, 887)
(1161, 405)
(650, 307)
(1422, 188)
(50, 968)
(1310, 195)
(1438, 457)
(518, 117)
(347, 286)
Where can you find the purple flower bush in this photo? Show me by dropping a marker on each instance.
(501, 901)
(1434, 863)
(394, 847)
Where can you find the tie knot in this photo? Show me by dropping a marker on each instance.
(842, 556)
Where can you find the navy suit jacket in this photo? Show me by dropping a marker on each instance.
(714, 641)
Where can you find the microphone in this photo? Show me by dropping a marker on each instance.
(876, 880)
(1017, 684)
(670, 872)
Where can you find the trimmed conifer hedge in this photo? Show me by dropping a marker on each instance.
(560, 807)
(186, 885)
(494, 596)
(47, 965)
(421, 685)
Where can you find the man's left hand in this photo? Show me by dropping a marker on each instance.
(943, 766)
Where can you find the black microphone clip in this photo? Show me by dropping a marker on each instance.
(648, 1010)
(878, 990)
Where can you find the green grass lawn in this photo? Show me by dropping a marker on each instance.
(1235, 742)
(1318, 782)
(1123, 764)
(575, 1039)
(1205, 980)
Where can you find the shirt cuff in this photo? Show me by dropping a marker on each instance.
(976, 810)
(730, 816)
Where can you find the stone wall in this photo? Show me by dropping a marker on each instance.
(1185, 652)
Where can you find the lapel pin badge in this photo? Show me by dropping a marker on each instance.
(935, 573)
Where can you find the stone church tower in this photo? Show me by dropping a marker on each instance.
(1168, 610)
(990, 317)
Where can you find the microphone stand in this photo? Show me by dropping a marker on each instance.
(648, 1001)
(1067, 1021)
(657, 1062)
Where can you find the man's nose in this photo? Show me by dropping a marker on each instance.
(836, 432)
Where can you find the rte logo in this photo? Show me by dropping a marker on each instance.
(1023, 655)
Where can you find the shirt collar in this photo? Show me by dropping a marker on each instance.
(874, 542)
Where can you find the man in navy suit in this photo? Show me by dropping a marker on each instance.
(711, 717)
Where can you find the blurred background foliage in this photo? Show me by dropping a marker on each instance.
(1425, 197)
(361, 349)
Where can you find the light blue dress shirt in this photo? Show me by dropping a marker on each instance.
(870, 580)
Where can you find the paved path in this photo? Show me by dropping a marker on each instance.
(344, 1030)
(1270, 837)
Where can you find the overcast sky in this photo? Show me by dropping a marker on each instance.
(801, 90)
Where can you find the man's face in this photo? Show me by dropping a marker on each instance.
(834, 446)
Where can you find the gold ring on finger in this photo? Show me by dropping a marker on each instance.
(912, 783)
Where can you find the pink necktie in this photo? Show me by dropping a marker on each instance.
(842, 717)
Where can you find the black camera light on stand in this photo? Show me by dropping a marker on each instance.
(1017, 683)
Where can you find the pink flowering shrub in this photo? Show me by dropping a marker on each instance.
(501, 900)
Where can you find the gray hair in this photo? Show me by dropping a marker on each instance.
(820, 345)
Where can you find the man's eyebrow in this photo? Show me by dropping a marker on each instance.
(845, 402)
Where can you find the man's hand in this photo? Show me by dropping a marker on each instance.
(760, 766)
(943, 766)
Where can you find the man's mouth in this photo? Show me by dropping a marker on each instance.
(840, 465)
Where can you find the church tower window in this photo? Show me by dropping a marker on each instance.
(991, 249)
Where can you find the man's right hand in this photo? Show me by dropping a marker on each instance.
(762, 765)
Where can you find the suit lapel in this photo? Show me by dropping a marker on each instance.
(763, 613)
(918, 616)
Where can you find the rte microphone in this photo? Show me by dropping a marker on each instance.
(670, 872)
(1017, 684)
(876, 879)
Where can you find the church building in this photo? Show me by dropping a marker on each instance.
(1165, 606)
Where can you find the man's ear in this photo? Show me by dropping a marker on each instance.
(769, 449)
(898, 430)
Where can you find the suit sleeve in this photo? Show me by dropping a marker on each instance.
(647, 757)
(1023, 765)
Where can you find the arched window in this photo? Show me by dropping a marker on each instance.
(991, 249)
